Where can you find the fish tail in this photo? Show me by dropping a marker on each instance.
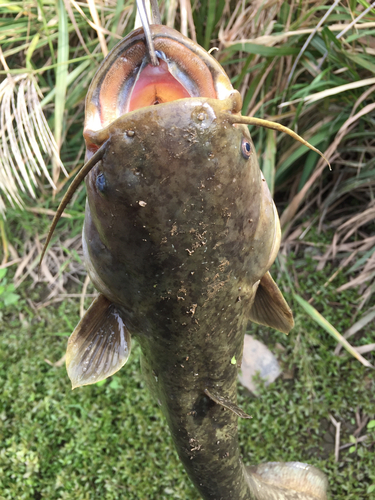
(286, 481)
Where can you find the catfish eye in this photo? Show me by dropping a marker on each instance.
(101, 182)
(245, 148)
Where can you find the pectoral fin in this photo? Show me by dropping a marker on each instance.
(99, 345)
(270, 308)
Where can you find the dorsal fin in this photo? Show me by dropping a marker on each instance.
(270, 307)
(99, 345)
(220, 400)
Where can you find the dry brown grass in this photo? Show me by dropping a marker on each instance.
(306, 65)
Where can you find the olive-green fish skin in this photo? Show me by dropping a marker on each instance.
(180, 232)
(172, 238)
(178, 218)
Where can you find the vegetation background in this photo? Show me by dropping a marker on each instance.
(308, 65)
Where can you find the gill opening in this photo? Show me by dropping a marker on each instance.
(250, 120)
(71, 190)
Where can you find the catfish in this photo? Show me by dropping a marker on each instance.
(179, 235)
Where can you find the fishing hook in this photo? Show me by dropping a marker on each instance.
(146, 26)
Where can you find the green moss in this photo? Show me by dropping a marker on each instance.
(111, 441)
(96, 442)
(291, 417)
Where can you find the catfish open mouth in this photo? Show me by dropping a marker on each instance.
(127, 80)
(138, 83)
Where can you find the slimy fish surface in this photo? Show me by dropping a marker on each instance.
(180, 231)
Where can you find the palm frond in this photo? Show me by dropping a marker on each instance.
(26, 141)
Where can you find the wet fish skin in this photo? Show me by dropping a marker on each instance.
(180, 231)
(178, 270)
(169, 240)
(195, 208)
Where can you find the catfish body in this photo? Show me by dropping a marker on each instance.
(166, 213)
(179, 271)
(180, 231)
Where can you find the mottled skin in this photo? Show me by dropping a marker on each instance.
(179, 230)
(180, 269)
(175, 244)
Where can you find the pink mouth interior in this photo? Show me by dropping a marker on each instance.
(185, 75)
(156, 85)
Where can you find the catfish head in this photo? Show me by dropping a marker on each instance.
(178, 194)
(176, 199)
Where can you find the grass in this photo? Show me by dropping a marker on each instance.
(110, 441)
(77, 445)
(307, 65)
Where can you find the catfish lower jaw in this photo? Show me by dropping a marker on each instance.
(125, 71)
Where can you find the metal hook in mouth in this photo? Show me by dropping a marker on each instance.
(146, 27)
